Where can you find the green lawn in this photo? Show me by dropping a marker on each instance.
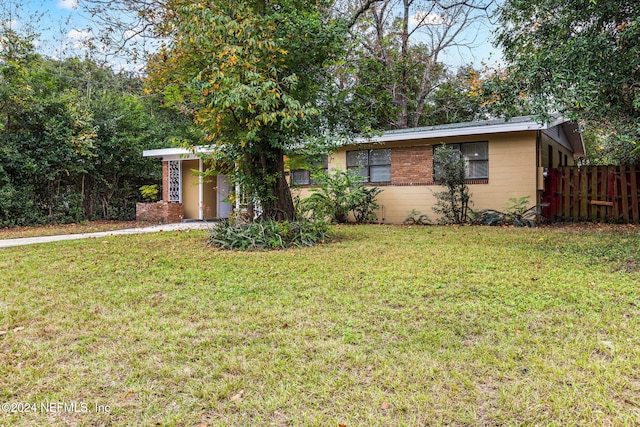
(387, 326)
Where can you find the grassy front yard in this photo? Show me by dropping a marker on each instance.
(388, 326)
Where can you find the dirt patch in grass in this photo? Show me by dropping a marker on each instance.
(57, 229)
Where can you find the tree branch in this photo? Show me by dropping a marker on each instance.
(364, 7)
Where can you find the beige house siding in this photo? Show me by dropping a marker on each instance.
(512, 173)
(551, 149)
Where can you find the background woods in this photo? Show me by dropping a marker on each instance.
(71, 137)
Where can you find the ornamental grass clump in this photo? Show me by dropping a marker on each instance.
(267, 234)
(517, 213)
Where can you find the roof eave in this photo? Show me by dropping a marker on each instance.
(443, 133)
(177, 153)
(572, 131)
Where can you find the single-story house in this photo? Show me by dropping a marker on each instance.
(505, 159)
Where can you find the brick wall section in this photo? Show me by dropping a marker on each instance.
(165, 181)
(412, 165)
(163, 212)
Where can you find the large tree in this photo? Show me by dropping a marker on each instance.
(400, 73)
(579, 57)
(253, 74)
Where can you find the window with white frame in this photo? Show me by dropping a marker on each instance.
(476, 158)
(372, 165)
(305, 176)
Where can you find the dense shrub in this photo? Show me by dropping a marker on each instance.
(267, 234)
(16, 207)
(338, 194)
(149, 193)
(450, 172)
(68, 154)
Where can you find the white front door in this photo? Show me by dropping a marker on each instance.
(224, 190)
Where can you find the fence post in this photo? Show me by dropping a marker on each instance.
(624, 193)
(634, 193)
(567, 193)
(584, 194)
(614, 173)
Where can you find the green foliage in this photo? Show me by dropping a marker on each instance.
(453, 101)
(518, 206)
(363, 203)
(607, 147)
(16, 206)
(578, 57)
(149, 193)
(267, 234)
(452, 204)
(255, 77)
(517, 213)
(339, 193)
(71, 137)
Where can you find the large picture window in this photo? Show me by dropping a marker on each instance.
(372, 165)
(303, 176)
(476, 158)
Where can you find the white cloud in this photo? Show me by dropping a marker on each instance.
(132, 35)
(423, 18)
(11, 24)
(79, 40)
(79, 34)
(67, 4)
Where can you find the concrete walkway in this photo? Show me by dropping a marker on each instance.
(152, 229)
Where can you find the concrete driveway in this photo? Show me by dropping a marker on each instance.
(151, 229)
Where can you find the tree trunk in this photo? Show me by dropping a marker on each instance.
(403, 92)
(280, 203)
(269, 184)
(285, 199)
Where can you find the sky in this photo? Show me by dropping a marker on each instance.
(480, 51)
(56, 20)
(65, 30)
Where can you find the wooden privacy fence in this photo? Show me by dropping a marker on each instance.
(592, 193)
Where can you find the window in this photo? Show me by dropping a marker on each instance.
(300, 177)
(372, 165)
(303, 176)
(476, 158)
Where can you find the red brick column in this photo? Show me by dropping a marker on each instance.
(165, 181)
